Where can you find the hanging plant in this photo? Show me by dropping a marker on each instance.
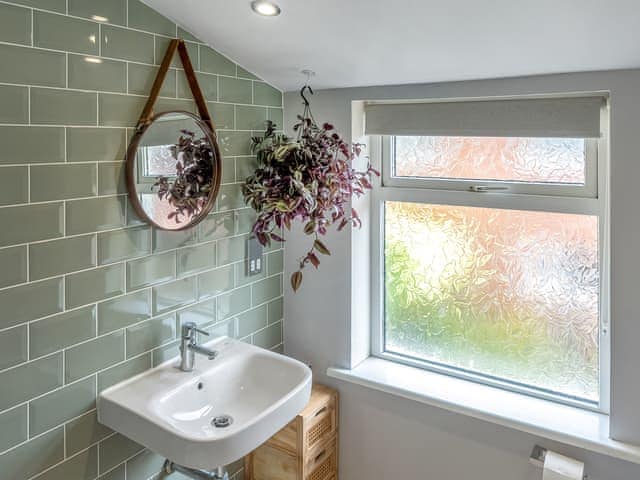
(310, 179)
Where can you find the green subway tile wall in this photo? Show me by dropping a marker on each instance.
(89, 296)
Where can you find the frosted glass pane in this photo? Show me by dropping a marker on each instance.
(539, 160)
(505, 293)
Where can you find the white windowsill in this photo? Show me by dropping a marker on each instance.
(569, 425)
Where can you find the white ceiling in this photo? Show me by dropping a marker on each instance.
(373, 42)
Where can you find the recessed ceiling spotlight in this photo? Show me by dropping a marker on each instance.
(263, 7)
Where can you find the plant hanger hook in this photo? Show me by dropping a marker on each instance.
(305, 99)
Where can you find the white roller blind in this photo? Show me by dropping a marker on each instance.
(574, 117)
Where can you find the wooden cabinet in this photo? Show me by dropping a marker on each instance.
(306, 449)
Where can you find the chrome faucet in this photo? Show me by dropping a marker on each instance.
(189, 347)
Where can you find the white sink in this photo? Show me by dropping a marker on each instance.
(170, 411)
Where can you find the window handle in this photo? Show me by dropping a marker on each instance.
(486, 188)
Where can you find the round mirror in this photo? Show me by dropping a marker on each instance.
(173, 170)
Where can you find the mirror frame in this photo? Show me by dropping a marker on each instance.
(130, 170)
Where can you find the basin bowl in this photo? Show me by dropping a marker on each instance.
(215, 414)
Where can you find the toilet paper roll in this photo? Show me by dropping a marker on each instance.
(559, 467)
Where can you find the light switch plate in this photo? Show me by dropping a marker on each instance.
(255, 260)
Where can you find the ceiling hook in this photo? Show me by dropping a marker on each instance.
(308, 73)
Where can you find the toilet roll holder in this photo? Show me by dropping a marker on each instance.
(537, 458)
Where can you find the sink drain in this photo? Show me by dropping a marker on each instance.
(222, 421)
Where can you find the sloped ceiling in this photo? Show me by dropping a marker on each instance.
(373, 42)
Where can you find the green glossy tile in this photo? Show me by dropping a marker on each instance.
(63, 107)
(265, 94)
(14, 185)
(186, 35)
(59, 32)
(111, 178)
(95, 214)
(242, 274)
(162, 43)
(125, 44)
(123, 244)
(213, 62)
(118, 473)
(53, 5)
(208, 84)
(141, 78)
(124, 370)
(32, 458)
(252, 320)
(13, 425)
(167, 240)
(60, 331)
(245, 167)
(98, 354)
(93, 73)
(228, 328)
(223, 115)
(96, 144)
(250, 118)
(114, 11)
(275, 115)
(18, 305)
(166, 352)
(32, 66)
(62, 182)
(145, 465)
(216, 225)
(123, 311)
(196, 259)
(234, 144)
(13, 347)
(234, 90)
(245, 219)
(269, 337)
(228, 170)
(171, 104)
(62, 256)
(84, 431)
(94, 285)
(216, 281)
(275, 262)
(203, 313)
(145, 18)
(231, 250)
(151, 270)
(81, 467)
(119, 110)
(267, 289)
(276, 310)
(243, 73)
(32, 379)
(174, 295)
(145, 336)
(115, 450)
(230, 197)
(31, 144)
(57, 407)
(233, 302)
(14, 266)
(14, 101)
(31, 223)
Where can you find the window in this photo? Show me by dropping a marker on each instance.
(492, 259)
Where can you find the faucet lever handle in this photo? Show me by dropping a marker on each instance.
(189, 330)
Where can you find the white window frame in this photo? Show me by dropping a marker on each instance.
(590, 199)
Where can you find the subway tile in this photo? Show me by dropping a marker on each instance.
(146, 18)
(245, 219)
(96, 144)
(165, 352)
(215, 281)
(151, 270)
(275, 262)
(84, 431)
(276, 310)
(269, 337)
(53, 5)
(62, 182)
(18, 305)
(95, 214)
(92, 73)
(252, 320)
(171, 104)
(31, 144)
(14, 185)
(58, 257)
(115, 450)
(162, 43)
(234, 302)
(33, 457)
(115, 11)
(14, 101)
(13, 425)
(145, 336)
(14, 265)
(231, 249)
(228, 170)
(174, 295)
(234, 90)
(233, 144)
(59, 32)
(123, 311)
(227, 328)
(141, 78)
(186, 35)
(30, 380)
(31, 66)
(62, 405)
(201, 314)
(60, 331)
(127, 44)
(118, 473)
(213, 62)
(265, 94)
(242, 274)
(276, 116)
(111, 178)
(31, 223)
(216, 225)
(245, 167)
(196, 259)
(145, 465)
(62, 107)
(119, 110)
(124, 370)
(94, 285)
(124, 244)
(222, 114)
(83, 466)
(94, 355)
(13, 347)
(267, 289)
(250, 118)
(168, 240)
(230, 197)
(208, 85)
(243, 73)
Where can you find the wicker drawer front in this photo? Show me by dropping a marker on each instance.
(321, 426)
(323, 464)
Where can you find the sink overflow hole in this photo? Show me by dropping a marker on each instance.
(200, 385)
(222, 421)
